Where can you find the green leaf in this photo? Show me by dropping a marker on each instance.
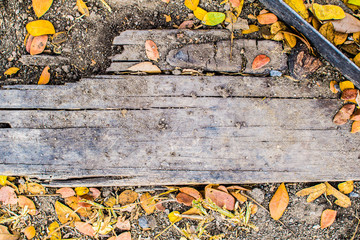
(354, 2)
(213, 18)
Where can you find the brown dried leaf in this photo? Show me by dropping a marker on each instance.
(44, 79)
(66, 192)
(65, 214)
(29, 232)
(7, 195)
(327, 218)
(127, 197)
(95, 193)
(38, 44)
(343, 115)
(147, 203)
(151, 50)
(35, 188)
(340, 38)
(349, 94)
(314, 192)
(28, 42)
(74, 203)
(184, 199)
(220, 198)
(267, 18)
(349, 24)
(186, 24)
(124, 236)
(59, 38)
(342, 200)
(85, 228)
(191, 192)
(346, 187)
(236, 187)
(279, 202)
(83, 9)
(147, 67)
(24, 201)
(241, 198)
(356, 115)
(5, 235)
(260, 61)
(123, 224)
(192, 211)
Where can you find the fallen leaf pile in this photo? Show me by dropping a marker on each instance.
(350, 110)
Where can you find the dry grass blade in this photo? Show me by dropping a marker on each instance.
(304, 40)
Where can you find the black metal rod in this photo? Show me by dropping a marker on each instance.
(322, 45)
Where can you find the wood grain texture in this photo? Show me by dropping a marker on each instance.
(155, 130)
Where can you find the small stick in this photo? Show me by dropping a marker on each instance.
(106, 5)
(356, 229)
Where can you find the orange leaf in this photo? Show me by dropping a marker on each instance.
(344, 114)
(327, 218)
(191, 192)
(184, 199)
(74, 203)
(147, 67)
(147, 203)
(279, 202)
(342, 200)
(220, 198)
(83, 9)
(85, 228)
(24, 201)
(260, 61)
(95, 193)
(151, 50)
(332, 87)
(241, 198)
(267, 18)
(123, 224)
(124, 236)
(35, 188)
(41, 6)
(28, 42)
(127, 197)
(45, 76)
(29, 232)
(186, 24)
(66, 192)
(65, 214)
(7, 195)
(5, 235)
(355, 127)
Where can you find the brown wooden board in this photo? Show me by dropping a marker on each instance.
(156, 130)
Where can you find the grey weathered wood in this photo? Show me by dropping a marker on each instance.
(203, 50)
(43, 60)
(175, 130)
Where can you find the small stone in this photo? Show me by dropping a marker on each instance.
(143, 223)
(58, 70)
(316, 226)
(274, 73)
(257, 194)
(176, 72)
(66, 68)
(71, 18)
(354, 195)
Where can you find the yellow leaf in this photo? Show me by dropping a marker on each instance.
(192, 211)
(230, 17)
(356, 37)
(54, 234)
(29, 232)
(167, 18)
(213, 18)
(41, 6)
(239, 8)
(327, 30)
(342, 200)
(316, 24)
(276, 27)
(147, 203)
(279, 202)
(75, 204)
(346, 187)
(346, 85)
(110, 202)
(65, 214)
(200, 13)
(327, 218)
(45, 76)
(83, 9)
(147, 67)
(278, 37)
(356, 59)
(328, 12)
(314, 192)
(102, 227)
(340, 38)
(191, 4)
(173, 217)
(3, 180)
(127, 197)
(81, 191)
(11, 71)
(40, 27)
(290, 39)
(299, 7)
(252, 28)
(241, 198)
(26, 202)
(35, 188)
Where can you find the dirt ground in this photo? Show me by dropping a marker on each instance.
(88, 49)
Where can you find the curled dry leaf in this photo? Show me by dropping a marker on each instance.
(75, 204)
(340, 38)
(54, 232)
(29, 232)
(213, 18)
(290, 39)
(349, 94)
(127, 197)
(28, 42)
(192, 211)
(357, 59)
(332, 87)
(59, 38)
(147, 203)
(327, 218)
(160, 207)
(147, 67)
(44, 79)
(241, 198)
(327, 30)
(355, 127)
(343, 115)
(110, 202)
(314, 192)
(151, 50)
(26, 202)
(40, 27)
(35, 188)
(276, 27)
(186, 24)
(6, 235)
(279, 202)
(7, 195)
(41, 6)
(220, 198)
(65, 214)
(260, 61)
(95, 193)
(267, 18)
(85, 228)
(83, 9)
(191, 191)
(11, 71)
(184, 199)
(66, 192)
(349, 24)
(342, 200)
(124, 236)
(252, 28)
(356, 115)
(299, 7)
(327, 12)
(38, 44)
(191, 4)
(81, 191)
(200, 13)
(123, 224)
(346, 187)
(346, 85)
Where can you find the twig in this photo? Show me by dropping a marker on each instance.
(106, 5)
(43, 195)
(356, 229)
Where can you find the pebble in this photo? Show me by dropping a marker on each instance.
(71, 18)
(316, 226)
(66, 68)
(176, 72)
(274, 73)
(257, 194)
(143, 223)
(354, 194)
(58, 70)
